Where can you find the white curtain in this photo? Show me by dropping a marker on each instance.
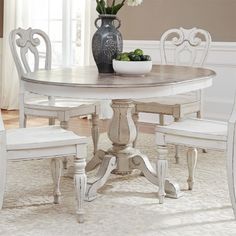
(15, 15)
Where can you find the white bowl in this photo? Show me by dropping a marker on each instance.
(132, 67)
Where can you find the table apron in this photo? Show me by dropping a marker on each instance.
(116, 92)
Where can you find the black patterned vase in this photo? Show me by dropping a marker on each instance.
(106, 43)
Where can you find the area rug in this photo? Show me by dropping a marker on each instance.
(126, 205)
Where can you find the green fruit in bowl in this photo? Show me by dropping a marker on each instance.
(125, 54)
(124, 58)
(138, 52)
(131, 54)
(134, 57)
(145, 58)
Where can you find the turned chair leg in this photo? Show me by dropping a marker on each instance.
(80, 180)
(162, 167)
(199, 115)
(22, 116)
(135, 117)
(95, 132)
(192, 162)
(177, 148)
(64, 125)
(56, 168)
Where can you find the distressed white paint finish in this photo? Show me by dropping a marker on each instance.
(25, 44)
(56, 169)
(44, 142)
(209, 134)
(186, 43)
(108, 164)
(162, 167)
(80, 181)
(85, 82)
(192, 162)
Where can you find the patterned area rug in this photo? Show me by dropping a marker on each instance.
(127, 205)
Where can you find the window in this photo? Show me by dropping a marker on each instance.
(63, 21)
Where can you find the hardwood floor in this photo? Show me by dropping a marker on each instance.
(80, 126)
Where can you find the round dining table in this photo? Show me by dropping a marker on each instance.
(86, 83)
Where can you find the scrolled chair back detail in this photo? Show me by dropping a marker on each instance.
(24, 41)
(192, 45)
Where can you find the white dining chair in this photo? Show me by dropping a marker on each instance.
(187, 47)
(42, 143)
(199, 133)
(31, 50)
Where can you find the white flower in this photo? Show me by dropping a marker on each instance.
(134, 2)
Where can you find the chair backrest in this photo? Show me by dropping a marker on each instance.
(191, 46)
(25, 44)
(3, 161)
(231, 154)
(232, 124)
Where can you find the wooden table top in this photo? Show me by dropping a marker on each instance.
(88, 76)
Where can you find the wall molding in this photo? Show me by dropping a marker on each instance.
(218, 99)
(220, 54)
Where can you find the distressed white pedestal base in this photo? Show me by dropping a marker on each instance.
(122, 158)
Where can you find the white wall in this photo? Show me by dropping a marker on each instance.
(218, 99)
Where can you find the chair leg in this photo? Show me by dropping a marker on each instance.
(56, 168)
(64, 125)
(80, 180)
(161, 119)
(162, 167)
(51, 121)
(177, 148)
(199, 115)
(232, 180)
(22, 120)
(135, 117)
(51, 100)
(192, 162)
(95, 132)
(22, 116)
(3, 170)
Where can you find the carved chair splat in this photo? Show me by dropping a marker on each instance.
(188, 47)
(36, 43)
